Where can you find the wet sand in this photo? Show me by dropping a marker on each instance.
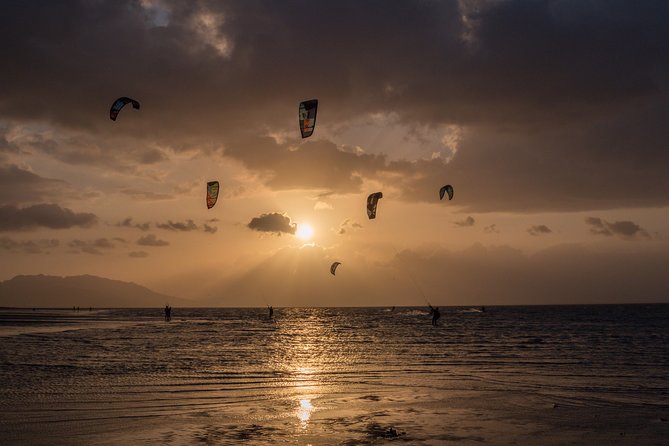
(367, 415)
(327, 379)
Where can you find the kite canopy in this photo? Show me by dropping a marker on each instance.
(333, 267)
(212, 193)
(119, 104)
(307, 115)
(372, 201)
(448, 188)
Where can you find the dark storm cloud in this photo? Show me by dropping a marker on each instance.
(623, 229)
(561, 102)
(28, 246)
(537, 230)
(469, 221)
(51, 216)
(91, 246)
(273, 222)
(151, 240)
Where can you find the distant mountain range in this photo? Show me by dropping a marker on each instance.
(81, 291)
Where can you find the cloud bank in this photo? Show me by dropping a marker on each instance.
(536, 92)
(50, 216)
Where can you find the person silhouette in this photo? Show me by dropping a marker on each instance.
(434, 311)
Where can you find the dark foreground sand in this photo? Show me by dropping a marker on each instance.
(367, 415)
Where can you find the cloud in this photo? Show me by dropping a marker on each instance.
(138, 254)
(537, 230)
(348, 225)
(469, 221)
(209, 229)
(206, 227)
(151, 240)
(624, 229)
(313, 165)
(5, 145)
(28, 246)
(596, 97)
(19, 186)
(146, 195)
(127, 223)
(43, 215)
(322, 205)
(274, 222)
(91, 246)
(118, 152)
(491, 229)
(186, 226)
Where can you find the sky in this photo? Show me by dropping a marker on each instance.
(548, 118)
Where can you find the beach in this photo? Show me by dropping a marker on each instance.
(340, 376)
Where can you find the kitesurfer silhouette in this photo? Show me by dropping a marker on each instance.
(434, 311)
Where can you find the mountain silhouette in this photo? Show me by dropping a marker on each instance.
(40, 291)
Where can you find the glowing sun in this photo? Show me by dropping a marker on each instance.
(304, 231)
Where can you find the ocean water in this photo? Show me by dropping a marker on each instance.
(341, 376)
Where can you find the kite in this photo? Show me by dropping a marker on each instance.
(307, 115)
(448, 188)
(119, 104)
(372, 201)
(333, 267)
(212, 193)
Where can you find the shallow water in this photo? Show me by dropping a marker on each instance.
(532, 375)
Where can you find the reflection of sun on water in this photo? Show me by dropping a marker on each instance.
(303, 359)
(304, 231)
(305, 387)
(304, 412)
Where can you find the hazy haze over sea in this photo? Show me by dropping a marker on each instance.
(531, 375)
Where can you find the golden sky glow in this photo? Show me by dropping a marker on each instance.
(553, 140)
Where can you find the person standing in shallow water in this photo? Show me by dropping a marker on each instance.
(271, 311)
(434, 311)
(168, 313)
